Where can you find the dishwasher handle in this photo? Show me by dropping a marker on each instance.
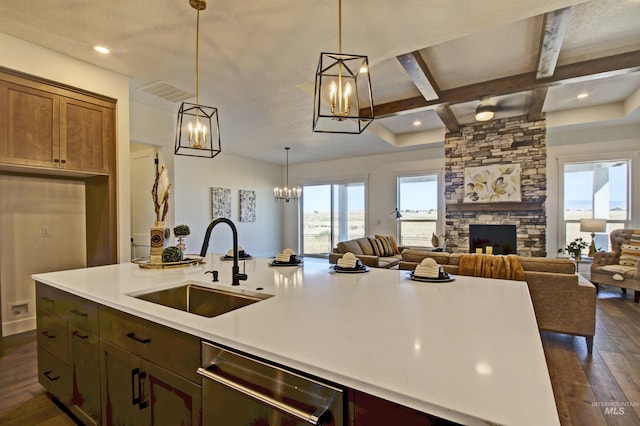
(316, 418)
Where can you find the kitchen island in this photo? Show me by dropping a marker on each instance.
(467, 350)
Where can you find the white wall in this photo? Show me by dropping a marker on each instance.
(42, 229)
(155, 127)
(194, 178)
(32, 59)
(379, 173)
(588, 144)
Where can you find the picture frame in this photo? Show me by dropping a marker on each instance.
(495, 183)
(247, 205)
(220, 203)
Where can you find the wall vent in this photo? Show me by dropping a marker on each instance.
(164, 90)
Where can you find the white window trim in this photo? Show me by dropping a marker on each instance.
(633, 188)
(440, 228)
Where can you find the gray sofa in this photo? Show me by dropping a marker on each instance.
(362, 249)
(563, 301)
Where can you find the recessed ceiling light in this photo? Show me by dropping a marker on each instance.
(583, 96)
(417, 122)
(101, 49)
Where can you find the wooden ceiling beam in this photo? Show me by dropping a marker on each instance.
(536, 102)
(571, 73)
(448, 118)
(414, 64)
(555, 26)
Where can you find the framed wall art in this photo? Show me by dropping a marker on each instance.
(220, 203)
(495, 183)
(247, 206)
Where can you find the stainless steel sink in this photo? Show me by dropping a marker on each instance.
(204, 301)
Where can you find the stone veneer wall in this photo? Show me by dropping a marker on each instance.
(505, 141)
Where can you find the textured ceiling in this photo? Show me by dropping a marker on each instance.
(258, 58)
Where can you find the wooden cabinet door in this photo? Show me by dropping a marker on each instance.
(85, 133)
(170, 399)
(85, 375)
(30, 126)
(54, 375)
(121, 385)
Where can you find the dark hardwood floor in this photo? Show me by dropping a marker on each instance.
(598, 389)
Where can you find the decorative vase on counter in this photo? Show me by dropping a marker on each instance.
(577, 254)
(157, 242)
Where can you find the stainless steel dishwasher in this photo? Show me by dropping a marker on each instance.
(238, 390)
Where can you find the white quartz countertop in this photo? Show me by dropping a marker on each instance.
(468, 350)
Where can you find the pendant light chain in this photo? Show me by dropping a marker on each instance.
(340, 26)
(197, 55)
(287, 167)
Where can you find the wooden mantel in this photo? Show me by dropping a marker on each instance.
(493, 207)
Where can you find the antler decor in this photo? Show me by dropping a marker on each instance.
(160, 193)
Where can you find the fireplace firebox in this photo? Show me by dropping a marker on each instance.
(502, 238)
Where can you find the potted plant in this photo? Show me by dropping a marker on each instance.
(181, 231)
(575, 247)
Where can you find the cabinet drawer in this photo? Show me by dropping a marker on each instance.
(49, 299)
(81, 312)
(53, 374)
(52, 335)
(176, 351)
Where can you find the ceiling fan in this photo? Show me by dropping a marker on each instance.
(487, 109)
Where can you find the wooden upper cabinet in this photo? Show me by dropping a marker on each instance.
(30, 126)
(48, 127)
(85, 132)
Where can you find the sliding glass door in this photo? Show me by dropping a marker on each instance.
(331, 213)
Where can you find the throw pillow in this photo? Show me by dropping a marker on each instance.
(380, 247)
(392, 241)
(437, 241)
(630, 255)
(635, 238)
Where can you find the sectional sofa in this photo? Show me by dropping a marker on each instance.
(563, 301)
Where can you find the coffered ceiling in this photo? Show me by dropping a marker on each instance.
(431, 62)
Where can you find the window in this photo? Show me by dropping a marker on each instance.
(418, 204)
(331, 213)
(599, 190)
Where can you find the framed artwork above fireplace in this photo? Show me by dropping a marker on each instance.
(495, 183)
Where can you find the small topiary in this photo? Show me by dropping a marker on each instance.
(172, 254)
(181, 230)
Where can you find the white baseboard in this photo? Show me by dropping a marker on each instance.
(18, 326)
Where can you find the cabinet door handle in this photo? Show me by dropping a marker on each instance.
(47, 335)
(46, 299)
(78, 313)
(137, 339)
(142, 404)
(47, 374)
(135, 400)
(77, 334)
(63, 161)
(55, 160)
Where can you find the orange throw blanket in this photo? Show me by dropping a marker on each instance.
(492, 266)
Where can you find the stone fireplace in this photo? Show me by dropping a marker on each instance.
(514, 140)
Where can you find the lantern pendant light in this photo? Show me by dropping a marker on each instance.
(343, 101)
(197, 130)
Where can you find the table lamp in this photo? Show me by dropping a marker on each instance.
(593, 226)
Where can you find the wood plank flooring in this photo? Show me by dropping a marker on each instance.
(590, 390)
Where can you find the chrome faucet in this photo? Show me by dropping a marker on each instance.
(236, 275)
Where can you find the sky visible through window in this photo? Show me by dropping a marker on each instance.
(578, 189)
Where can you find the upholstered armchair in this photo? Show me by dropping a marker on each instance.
(608, 269)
